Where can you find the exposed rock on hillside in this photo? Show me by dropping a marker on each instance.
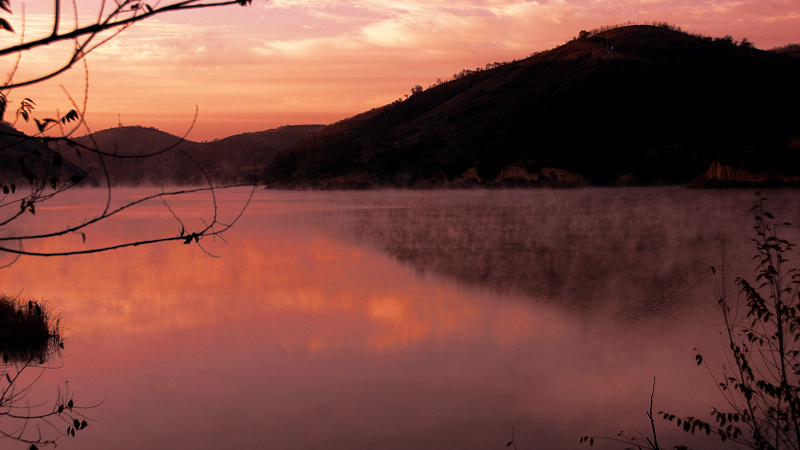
(719, 175)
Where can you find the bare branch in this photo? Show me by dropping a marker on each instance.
(114, 22)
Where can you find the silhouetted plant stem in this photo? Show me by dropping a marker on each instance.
(654, 442)
(512, 443)
(762, 333)
(641, 442)
(763, 392)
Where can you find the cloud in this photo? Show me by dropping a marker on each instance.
(344, 56)
(310, 47)
(390, 33)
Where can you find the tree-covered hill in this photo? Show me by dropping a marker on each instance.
(175, 161)
(628, 105)
(24, 160)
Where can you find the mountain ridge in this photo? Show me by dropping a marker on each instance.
(629, 105)
(174, 160)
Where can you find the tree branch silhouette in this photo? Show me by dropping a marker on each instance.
(125, 14)
(44, 174)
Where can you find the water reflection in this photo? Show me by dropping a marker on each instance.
(326, 325)
(635, 247)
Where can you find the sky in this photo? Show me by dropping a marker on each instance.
(281, 62)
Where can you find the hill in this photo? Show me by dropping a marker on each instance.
(24, 160)
(174, 161)
(628, 105)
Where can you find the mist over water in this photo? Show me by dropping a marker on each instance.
(631, 248)
(399, 319)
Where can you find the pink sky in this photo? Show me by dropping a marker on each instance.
(295, 62)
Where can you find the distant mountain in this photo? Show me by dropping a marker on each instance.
(174, 161)
(628, 105)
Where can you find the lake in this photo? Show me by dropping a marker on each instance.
(394, 319)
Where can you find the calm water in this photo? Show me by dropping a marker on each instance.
(395, 319)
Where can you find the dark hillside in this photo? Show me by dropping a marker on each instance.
(24, 160)
(231, 159)
(637, 104)
(170, 167)
(225, 161)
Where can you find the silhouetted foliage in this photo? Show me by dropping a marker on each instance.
(45, 168)
(27, 331)
(30, 341)
(640, 441)
(760, 382)
(31, 174)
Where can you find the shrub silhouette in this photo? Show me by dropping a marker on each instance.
(28, 332)
(760, 382)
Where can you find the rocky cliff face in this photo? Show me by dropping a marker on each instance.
(519, 175)
(511, 176)
(719, 175)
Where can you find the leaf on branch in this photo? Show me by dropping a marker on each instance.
(4, 25)
(57, 159)
(25, 108)
(42, 125)
(5, 5)
(72, 115)
(26, 171)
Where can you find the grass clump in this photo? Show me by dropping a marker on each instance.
(28, 331)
